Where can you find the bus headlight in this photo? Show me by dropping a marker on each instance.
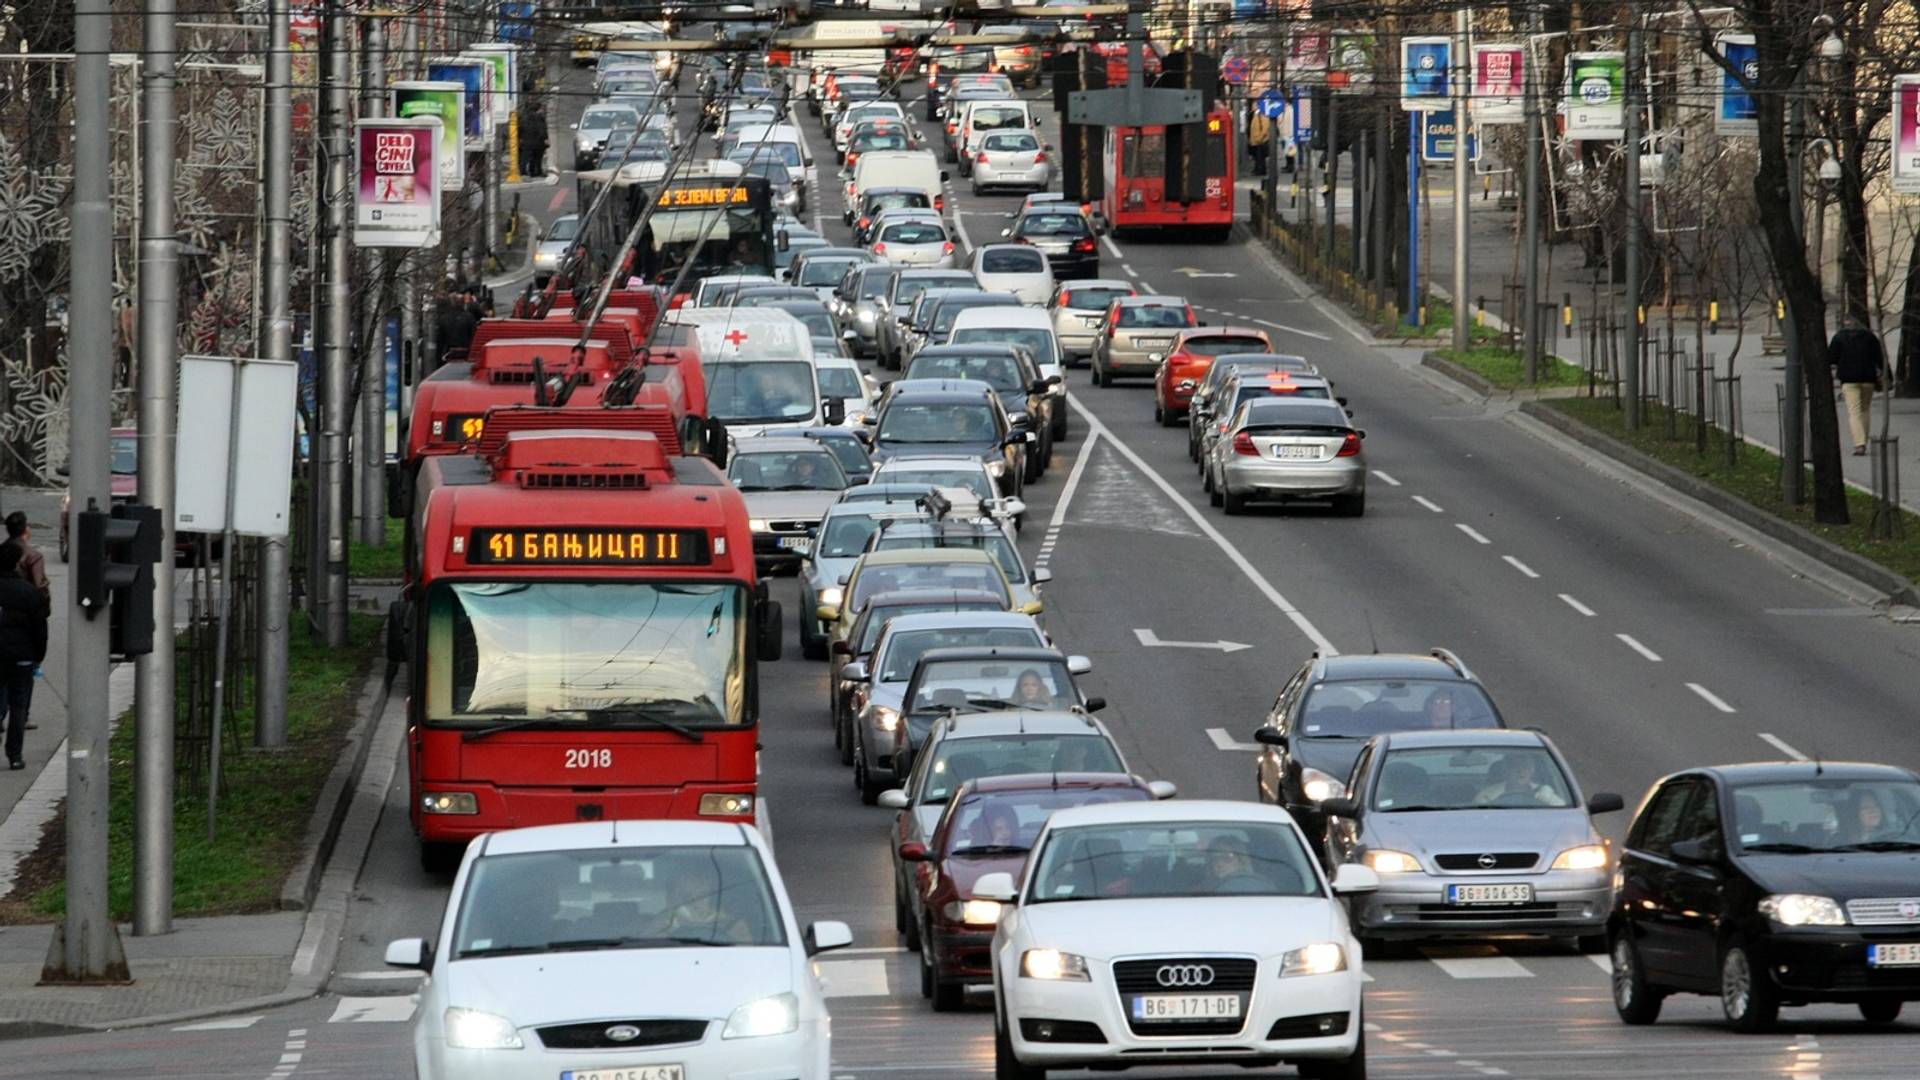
(449, 802)
(726, 804)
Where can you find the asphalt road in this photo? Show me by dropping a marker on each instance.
(1639, 638)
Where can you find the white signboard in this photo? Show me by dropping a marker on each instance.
(263, 470)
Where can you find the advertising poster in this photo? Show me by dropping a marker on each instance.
(1499, 84)
(1906, 134)
(1350, 68)
(1440, 131)
(477, 77)
(1307, 55)
(445, 101)
(1302, 117)
(1736, 114)
(1425, 73)
(1596, 99)
(506, 77)
(397, 196)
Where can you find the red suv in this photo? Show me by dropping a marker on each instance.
(1187, 363)
(988, 826)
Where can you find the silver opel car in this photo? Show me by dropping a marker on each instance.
(1287, 448)
(1474, 833)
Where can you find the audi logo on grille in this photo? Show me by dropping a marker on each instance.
(622, 1033)
(1184, 975)
(1488, 862)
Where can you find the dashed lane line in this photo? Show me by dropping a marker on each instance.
(1222, 740)
(1385, 479)
(1780, 744)
(1577, 605)
(1112, 248)
(1633, 643)
(1428, 503)
(1711, 698)
(1520, 566)
(1472, 533)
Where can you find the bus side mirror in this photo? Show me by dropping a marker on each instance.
(399, 633)
(772, 635)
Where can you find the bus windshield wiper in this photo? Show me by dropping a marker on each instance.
(558, 718)
(654, 716)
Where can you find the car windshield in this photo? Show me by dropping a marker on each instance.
(535, 650)
(942, 422)
(897, 200)
(990, 540)
(873, 284)
(787, 470)
(1013, 260)
(1097, 298)
(1157, 316)
(950, 310)
(1036, 340)
(820, 326)
(1006, 823)
(849, 451)
(616, 898)
(761, 391)
(974, 480)
(889, 139)
(893, 577)
(991, 683)
(837, 382)
(1828, 814)
(824, 270)
(1010, 143)
(913, 232)
(1184, 859)
(846, 535)
(1363, 708)
(1053, 225)
(909, 289)
(565, 228)
(1471, 778)
(785, 153)
(958, 760)
(1222, 346)
(998, 371)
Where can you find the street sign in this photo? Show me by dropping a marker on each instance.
(1271, 104)
(1439, 130)
(1235, 70)
(1302, 116)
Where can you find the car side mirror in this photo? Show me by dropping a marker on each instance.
(1605, 802)
(1200, 322)
(827, 612)
(1343, 403)
(782, 241)
(399, 632)
(943, 176)
(1042, 575)
(62, 470)
(826, 936)
(1270, 736)
(1346, 808)
(1013, 507)
(1094, 704)
(1162, 789)
(892, 799)
(848, 335)
(1006, 233)
(1079, 665)
(410, 952)
(1038, 386)
(855, 671)
(1695, 852)
(995, 886)
(1354, 878)
(834, 411)
(912, 851)
(843, 648)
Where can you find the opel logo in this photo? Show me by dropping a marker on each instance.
(1488, 862)
(1185, 975)
(1910, 909)
(622, 1033)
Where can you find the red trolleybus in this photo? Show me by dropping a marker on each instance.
(585, 633)
(1135, 162)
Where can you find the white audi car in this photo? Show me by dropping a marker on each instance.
(620, 950)
(1176, 933)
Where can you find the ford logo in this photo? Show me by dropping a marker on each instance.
(622, 1033)
(1184, 975)
(1488, 862)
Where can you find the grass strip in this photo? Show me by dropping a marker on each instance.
(381, 561)
(1507, 368)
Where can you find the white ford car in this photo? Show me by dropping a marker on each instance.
(1176, 933)
(620, 950)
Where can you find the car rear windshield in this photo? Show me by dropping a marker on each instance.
(880, 617)
(1154, 316)
(1284, 412)
(1222, 345)
(973, 480)
(1471, 778)
(913, 232)
(879, 140)
(1363, 708)
(1054, 225)
(1038, 342)
(1096, 298)
(957, 761)
(1263, 391)
(1194, 858)
(910, 289)
(905, 649)
(898, 200)
(988, 117)
(949, 576)
(1018, 260)
(1010, 143)
(1828, 814)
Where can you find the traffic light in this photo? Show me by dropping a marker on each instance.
(113, 559)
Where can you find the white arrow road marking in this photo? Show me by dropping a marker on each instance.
(1152, 641)
(1196, 272)
(1224, 741)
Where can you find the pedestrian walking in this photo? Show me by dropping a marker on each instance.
(533, 143)
(23, 645)
(1860, 366)
(1259, 141)
(33, 565)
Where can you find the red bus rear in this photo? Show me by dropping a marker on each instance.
(1135, 161)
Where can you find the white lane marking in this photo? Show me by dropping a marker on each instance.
(1472, 533)
(1602, 961)
(1428, 503)
(1711, 698)
(1577, 605)
(373, 1010)
(1390, 481)
(1780, 744)
(357, 975)
(1129, 270)
(1481, 967)
(1073, 484)
(231, 1023)
(1259, 580)
(855, 978)
(1292, 330)
(1112, 248)
(1632, 643)
(1150, 640)
(1520, 566)
(1223, 741)
(960, 226)
(871, 950)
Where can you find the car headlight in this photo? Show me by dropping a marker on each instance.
(887, 719)
(1319, 786)
(1053, 964)
(1584, 857)
(1392, 862)
(1800, 909)
(1321, 958)
(791, 198)
(973, 912)
(471, 1029)
(997, 468)
(830, 596)
(757, 524)
(774, 1015)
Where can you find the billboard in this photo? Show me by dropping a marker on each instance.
(1735, 113)
(1499, 84)
(476, 76)
(1350, 67)
(1426, 74)
(447, 101)
(1306, 55)
(506, 76)
(1596, 98)
(1438, 132)
(397, 197)
(1906, 134)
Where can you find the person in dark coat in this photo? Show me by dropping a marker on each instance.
(533, 143)
(1860, 366)
(454, 325)
(23, 645)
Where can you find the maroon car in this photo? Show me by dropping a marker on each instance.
(989, 825)
(123, 471)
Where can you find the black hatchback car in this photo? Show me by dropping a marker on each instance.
(1771, 885)
(1330, 708)
(951, 418)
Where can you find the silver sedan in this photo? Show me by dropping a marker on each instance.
(1289, 449)
(1011, 159)
(552, 249)
(917, 242)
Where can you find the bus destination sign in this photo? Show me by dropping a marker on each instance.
(587, 546)
(711, 195)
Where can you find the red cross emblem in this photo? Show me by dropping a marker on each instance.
(734, 338)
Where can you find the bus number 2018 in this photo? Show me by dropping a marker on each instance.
(589, 759)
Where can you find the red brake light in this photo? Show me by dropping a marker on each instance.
(946, 248)
(879, 248)
(1243, 444)
(865, 221)
(1083, 246)
(852, 159)
(1350, 446)
(980, 158)
(1039, 156)
(940, 203)
(1066, 299)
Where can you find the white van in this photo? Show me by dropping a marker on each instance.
(759, 364)
(896, 168)
(777, 142)
(1027, 326)
(977, 118)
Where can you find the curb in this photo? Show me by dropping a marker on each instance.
(336, 795)
(1891, 587)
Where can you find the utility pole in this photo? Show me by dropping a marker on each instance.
(1331, 174)
(370, 445)
(1530, 308)
(333, 327)
(1631, 353)
(86, 945)
(274, 594)
(1382, 231)
(1793, 449)
(1462, 177)
(159, 323)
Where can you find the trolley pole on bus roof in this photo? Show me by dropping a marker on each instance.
(1134, 104)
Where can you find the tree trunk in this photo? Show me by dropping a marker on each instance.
(1907, 364)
